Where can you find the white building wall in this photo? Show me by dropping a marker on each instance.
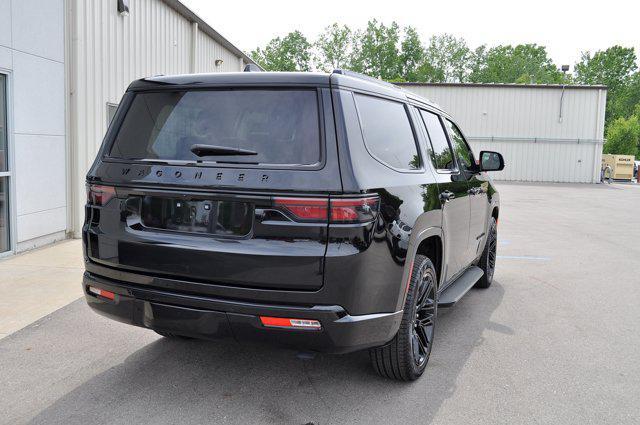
(108, 52)
(524, 123)
(208, 50)
(32, 55)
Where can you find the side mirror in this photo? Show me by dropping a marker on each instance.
(491, 161)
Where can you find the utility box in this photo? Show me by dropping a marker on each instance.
(621, 166)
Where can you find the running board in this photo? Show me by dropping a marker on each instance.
(461, 286)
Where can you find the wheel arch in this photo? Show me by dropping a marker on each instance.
(432, 248)
(427, 242)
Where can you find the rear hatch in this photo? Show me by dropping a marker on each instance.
(223, 185)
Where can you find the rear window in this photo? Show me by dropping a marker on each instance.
(387, 132)
(281, 126)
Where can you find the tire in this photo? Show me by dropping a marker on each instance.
(406, 356)
(488, 259)
(171, 335)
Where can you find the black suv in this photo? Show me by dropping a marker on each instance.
(329, 212)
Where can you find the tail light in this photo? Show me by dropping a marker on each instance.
(354, 210)
(99, 195)
(337, 210)
(304, 209)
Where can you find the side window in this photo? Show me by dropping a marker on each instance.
(463, 153)
(387, 132)
(442, 154)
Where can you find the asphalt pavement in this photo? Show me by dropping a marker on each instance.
(553, 341)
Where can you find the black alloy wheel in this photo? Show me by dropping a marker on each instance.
(424, 320)
(488, 259)
(406, 356)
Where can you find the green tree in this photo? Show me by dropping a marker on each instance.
(375, 50)
(426, 72)
(612, 67)
(449, 59)
(524, 63)
(623, 136)
(291, 53)
(626, 98)
(412, 55)
(334, 47)
(478, 61)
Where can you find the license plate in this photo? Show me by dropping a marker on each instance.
(217, 217)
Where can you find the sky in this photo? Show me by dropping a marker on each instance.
(565, 27)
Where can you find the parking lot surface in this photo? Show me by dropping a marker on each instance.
(554, 340)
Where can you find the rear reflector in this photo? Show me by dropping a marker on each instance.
(339, 210)
(406, 290)
(102, 293)
(282, 322)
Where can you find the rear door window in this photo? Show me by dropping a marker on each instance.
(442, 153)
(387, 132)
(281, 126)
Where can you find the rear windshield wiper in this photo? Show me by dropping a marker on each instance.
(211, 150)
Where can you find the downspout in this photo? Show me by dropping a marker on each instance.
(194, 47)
(597, 147)
(70, 45)
(561, 103)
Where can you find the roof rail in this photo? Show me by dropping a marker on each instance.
(360, 76)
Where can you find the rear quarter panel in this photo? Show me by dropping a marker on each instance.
(370, 262)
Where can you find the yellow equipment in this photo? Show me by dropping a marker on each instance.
(621, 166)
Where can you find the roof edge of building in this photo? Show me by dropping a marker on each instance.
(207, 29)
(538, 86)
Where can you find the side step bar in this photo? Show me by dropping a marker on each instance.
(461, 286)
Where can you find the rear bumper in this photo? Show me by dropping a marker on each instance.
(211, 318)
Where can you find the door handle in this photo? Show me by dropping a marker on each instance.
(474, 191)
(447, 195)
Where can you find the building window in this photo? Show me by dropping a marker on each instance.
(111, 112)
(4, 168)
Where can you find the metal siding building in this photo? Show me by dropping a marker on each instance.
(33, 202)
(108, 50)
(547, 133)
(64, 65)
